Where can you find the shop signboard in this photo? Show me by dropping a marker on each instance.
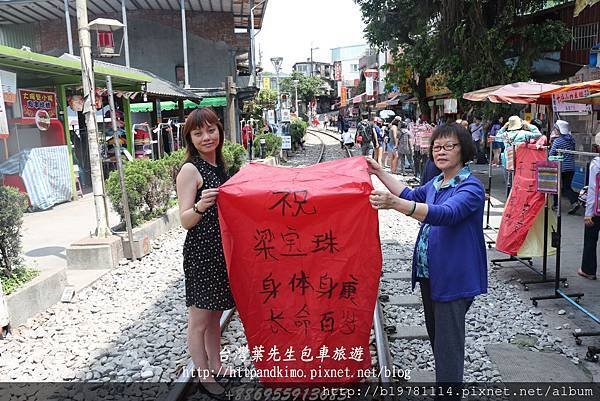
(450, 106)
(337, 71)
(285, 115)
(271, 117)
(3, 121)
(266, 83)
(9, 86)
(559, 103)
(34, 101)
(436, 86)
(344, 96)
(369, 86)
(286, 142)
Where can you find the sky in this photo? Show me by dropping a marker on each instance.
(292, 27)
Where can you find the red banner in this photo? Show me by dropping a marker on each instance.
(304, 259)
(524, 202)
(33, 101)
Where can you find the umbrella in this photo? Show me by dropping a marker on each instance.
(518, 92)
(385, 114)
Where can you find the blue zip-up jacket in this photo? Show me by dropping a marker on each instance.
(456, 252)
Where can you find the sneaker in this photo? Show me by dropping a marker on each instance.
(574, 208)
(585, 275)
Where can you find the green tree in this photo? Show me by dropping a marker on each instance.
(308, 87)
(469, 41)
(265, 100)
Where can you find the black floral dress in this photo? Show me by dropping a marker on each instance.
(206, 281)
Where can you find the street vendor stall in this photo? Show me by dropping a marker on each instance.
(36, 149)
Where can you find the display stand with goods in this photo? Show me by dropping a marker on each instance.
(163, 138)
(574, 298)
(510, 163)
(142, 144)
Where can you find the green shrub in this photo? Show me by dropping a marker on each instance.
(149, 185)
(12, 205)
(19, 276)
(272, 145)
(234, 155)
(297, 130)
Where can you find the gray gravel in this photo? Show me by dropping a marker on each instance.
(496, 317)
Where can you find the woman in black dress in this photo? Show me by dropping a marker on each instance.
(206, 283)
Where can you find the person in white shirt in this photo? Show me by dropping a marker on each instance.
(589, 262)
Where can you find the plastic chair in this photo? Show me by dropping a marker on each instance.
(77, 182)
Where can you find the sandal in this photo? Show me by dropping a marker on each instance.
(585, 275)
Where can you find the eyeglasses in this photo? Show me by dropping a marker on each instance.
(447, 147)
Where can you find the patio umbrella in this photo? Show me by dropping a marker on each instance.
(518, 92)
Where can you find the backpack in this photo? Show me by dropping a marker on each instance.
(365, 133)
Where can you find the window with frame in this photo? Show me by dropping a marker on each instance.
(353, 67)
(584, 36)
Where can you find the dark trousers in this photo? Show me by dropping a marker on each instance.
(566, 178)
(589, 262)
(445, 322)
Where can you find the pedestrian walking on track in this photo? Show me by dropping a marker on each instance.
(449, 259)
(207, 290)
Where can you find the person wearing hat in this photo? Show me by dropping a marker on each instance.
(589, 263)
(565, 141)
(514, 132)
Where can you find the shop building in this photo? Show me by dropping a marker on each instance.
(38, 145)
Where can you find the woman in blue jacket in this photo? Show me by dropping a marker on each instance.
(449, 259)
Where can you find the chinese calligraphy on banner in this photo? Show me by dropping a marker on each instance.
(304, 258)
(32, 101)
(559, 103)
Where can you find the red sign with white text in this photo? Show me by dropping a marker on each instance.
(304, 260)
(33, 101)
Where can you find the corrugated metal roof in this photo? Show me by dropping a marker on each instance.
(68, 69)
(27, 11)
(156, 86)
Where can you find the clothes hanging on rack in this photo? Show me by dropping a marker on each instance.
(142, 142)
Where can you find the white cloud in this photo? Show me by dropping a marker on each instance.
(292, 27)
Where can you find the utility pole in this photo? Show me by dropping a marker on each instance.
(277, 64)
(230, 120)
(185, 49)
(124, 198)
(68, 24)
(252, 60)
(89, 109)
(296, 82)
(311, 60)
(125, 31)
